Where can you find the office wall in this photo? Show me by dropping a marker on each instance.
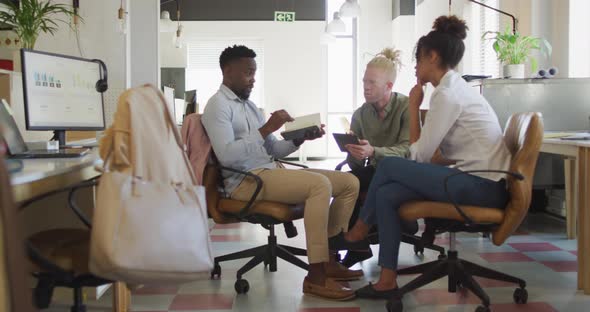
(294, 62)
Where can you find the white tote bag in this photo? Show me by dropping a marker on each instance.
(148, 232)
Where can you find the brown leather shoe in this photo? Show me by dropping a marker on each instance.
(331, 290)
(338, 272)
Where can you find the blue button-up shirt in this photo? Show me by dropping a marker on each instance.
(232, 126)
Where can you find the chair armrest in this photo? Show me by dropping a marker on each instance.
(340, 165)
(292, 163)
(468, 220)
(74, 206)
(246, 210)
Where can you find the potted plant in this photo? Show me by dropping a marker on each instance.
(513, 50)
(32, 17)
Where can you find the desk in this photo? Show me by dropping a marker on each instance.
(577, 184)
(40, 176)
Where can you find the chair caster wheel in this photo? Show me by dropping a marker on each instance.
(394, 305)
(242, 286)
(483, 309)
(42, 297)
(521, 295)
(418, 250)
(216, 271)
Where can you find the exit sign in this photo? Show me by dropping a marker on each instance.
(284, 16)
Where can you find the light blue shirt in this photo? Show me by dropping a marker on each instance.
(232, 126)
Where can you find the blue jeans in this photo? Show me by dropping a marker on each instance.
(399, 180)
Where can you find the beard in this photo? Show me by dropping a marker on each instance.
(243, 94)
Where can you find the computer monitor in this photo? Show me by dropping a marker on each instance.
(60, 93)
(169, 96)
(190, 102)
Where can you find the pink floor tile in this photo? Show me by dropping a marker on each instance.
(534, 247)
(227, 226)
(489, 283)
(443, 297)
(505, 257)
(562, 266)
(338, 309)
(529, 307)
(225, 238)
(156, 290)
(202, 302)
(574, 252)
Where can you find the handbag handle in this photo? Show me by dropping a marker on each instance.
(170, 122)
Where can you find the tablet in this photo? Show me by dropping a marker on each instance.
(342, 139)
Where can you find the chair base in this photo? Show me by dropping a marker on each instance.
(46, 283)
(266, 254)
(460, 274)
(420, 245)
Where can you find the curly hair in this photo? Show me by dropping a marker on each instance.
(446, 38)
(233, 53)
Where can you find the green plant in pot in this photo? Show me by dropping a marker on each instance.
(514, 49)
(33, 17)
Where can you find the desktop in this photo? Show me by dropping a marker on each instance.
(61, 93)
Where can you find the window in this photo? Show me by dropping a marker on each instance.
(342, 78)
(483, 56)
(203, 72)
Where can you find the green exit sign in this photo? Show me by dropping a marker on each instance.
(284, 16)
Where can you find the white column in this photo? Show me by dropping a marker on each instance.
(143, 59)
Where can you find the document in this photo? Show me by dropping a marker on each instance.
(298, 128)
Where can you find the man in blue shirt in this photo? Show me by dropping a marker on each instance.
(243, 140)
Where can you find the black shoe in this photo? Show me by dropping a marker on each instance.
(339, 243)
(369, 292)
(355, 256)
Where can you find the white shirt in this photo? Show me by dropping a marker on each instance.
(465, 127)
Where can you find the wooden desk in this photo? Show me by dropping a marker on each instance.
(40, 176)
(577, 183)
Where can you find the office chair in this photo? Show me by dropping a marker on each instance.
(61, 256)
(15, 294)
(409, 231)
(523, 137)
(266, 213)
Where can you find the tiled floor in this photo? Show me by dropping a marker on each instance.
(540, 254)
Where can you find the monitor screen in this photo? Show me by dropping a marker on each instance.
(60, 93)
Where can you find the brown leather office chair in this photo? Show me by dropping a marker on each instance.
(523, 137)
(61, 256)
(15, 295)
(267, 214)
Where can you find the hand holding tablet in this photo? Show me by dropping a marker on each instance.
(343, 139)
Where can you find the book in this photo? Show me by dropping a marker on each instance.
(298, 128)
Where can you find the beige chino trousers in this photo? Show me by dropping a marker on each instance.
(314, 188)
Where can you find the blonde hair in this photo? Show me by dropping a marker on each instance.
(389, 61)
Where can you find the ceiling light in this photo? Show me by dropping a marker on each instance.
(166, 24)
(350, 8)
(336, 25)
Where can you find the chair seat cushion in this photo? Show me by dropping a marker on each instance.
(427, 209)
(67, 248)
(278, 211)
